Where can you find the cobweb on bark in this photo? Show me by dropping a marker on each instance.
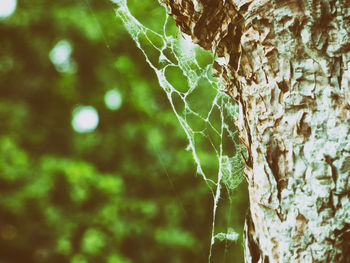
(203, 110)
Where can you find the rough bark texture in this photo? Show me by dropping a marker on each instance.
(286, 63)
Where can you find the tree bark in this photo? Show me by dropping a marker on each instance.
(286, 63)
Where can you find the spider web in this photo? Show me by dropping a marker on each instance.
(204, 111)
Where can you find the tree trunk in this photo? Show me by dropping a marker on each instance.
(286, 63)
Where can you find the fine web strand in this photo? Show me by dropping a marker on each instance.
(204, 112)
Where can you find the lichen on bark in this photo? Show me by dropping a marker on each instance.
(286, 63)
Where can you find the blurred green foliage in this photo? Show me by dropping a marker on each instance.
(126, 192)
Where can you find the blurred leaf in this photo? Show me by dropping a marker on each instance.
(93, 241)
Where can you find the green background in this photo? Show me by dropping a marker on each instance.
(125, 192)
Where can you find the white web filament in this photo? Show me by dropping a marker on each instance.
(206, 122)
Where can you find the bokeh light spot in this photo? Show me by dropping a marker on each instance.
(60, 56)
(7, 7)
(85, 119)
(113, 99)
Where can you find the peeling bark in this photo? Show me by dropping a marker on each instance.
(286, 63)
